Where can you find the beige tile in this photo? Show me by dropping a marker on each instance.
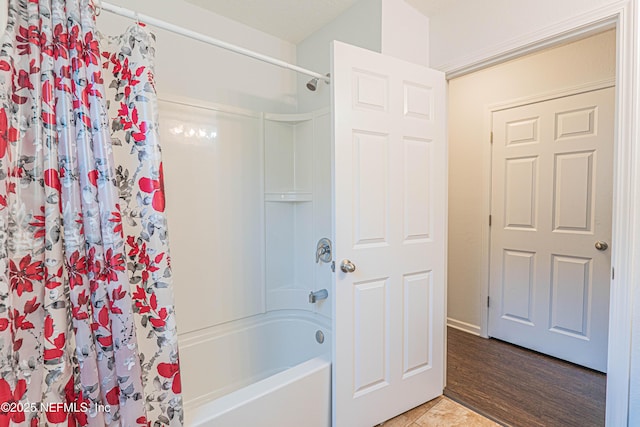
(416, 413)
(400, 421)
(404, 420)
(447, 413)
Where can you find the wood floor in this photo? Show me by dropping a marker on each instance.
(521, 388)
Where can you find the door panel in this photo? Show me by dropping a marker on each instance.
(418, 295)
(518, 282)
(521, 181)
(551, 202)
(370, 343)
(570, 288)
(371, 188)
(389, 192)
(573, 192)
(417, 180)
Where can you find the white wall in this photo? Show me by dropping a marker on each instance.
(405, 32)
(584, 61)
(360, 25)
(466, 28)
(189, 68)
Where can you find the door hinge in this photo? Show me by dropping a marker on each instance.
(489, 220)
(491, 138)
(613, 273)
(488, 297)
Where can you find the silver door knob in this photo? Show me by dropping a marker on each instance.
(601, 246)
(347, 266)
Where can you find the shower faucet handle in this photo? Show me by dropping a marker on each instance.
(323, 250)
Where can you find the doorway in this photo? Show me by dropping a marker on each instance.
(568, 68)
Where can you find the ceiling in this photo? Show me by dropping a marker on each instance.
(291, 20)
(294, 20)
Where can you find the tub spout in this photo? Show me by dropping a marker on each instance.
(318, 295)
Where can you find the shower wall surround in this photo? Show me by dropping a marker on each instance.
(213, 170)
(297, 207)
(245, 244)
(248, 196)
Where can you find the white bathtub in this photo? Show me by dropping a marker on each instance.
(266, 370)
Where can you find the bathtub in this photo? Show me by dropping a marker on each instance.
(267, 370)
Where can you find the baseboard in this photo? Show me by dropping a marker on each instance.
(463, 326)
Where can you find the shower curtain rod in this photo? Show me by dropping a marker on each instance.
(203, 38)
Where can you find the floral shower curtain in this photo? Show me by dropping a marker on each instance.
(87, 329)
(133, 110)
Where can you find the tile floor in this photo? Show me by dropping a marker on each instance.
(440, 412)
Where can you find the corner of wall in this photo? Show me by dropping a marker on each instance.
(360, 25)
(463, 326)
(405, 32)
(391, 27)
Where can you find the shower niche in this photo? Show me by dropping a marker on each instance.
(297, 197)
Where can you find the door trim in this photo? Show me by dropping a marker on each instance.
(487, 170)
(572, 29)
(626, 210)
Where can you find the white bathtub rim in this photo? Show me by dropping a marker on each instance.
(222, 405)
(282, 320)
(214, 332)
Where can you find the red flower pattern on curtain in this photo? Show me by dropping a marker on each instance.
(128, 62)
(69, 321)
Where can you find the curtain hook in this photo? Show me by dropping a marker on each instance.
(137, 17)
(97, 7)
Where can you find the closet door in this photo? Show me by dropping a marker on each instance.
(552, 187)
(389, 187)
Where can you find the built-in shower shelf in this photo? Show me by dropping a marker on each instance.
(288, 197)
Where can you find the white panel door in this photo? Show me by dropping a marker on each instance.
(551, 207)
(390, 206)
